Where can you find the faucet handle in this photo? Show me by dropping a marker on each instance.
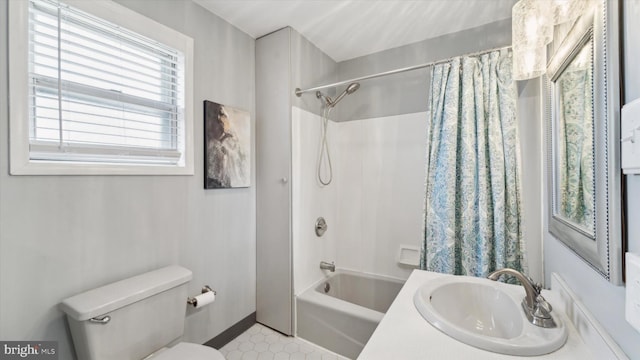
(542, 308)
(538, 287)
(542, 302)
(542, 313)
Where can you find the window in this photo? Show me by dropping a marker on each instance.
(103, 90)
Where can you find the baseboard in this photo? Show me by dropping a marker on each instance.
(231, 333)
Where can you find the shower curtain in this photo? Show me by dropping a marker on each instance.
(575, 149)
(473, 191)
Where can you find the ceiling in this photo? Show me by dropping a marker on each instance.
(345, 29)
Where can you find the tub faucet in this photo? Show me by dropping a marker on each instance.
(536, 308)
(327, 266)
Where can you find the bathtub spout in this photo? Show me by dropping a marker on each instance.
(327, 266)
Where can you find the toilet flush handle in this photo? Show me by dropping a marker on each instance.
(103, 320)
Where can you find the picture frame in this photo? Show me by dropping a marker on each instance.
(227, 146)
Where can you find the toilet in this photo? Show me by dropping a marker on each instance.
(137, 318)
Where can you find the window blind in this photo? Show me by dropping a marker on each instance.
(101, 93)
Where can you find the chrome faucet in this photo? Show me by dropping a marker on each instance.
(536, 308)
(327, 266)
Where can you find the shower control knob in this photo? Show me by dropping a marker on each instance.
(321, 226)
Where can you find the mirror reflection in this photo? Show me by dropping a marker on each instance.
(574, 173)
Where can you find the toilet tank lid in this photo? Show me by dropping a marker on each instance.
(110, 297)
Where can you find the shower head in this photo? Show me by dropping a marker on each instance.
(348, 91)
(352, 88)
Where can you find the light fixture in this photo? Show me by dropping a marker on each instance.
(531, 23)
(529, 63)
(532, 30)
(566, 10)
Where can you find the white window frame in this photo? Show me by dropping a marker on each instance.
(20, 162)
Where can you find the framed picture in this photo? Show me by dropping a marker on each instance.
(227, 146)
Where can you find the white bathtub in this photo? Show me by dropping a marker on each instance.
(343, 318)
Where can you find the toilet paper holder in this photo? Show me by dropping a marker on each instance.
(205, 289)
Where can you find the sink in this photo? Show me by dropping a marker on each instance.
(486, 314)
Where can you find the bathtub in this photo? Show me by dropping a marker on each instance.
(341, 312)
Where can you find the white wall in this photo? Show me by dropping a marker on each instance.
(61, 235)
(310, 67)
(311, 200)
(380, 177)
(374, 203)
(530, 131)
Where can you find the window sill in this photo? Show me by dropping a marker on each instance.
(64, 168)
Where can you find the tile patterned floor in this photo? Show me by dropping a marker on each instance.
(261, 343)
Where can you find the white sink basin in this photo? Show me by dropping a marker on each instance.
(486, 314)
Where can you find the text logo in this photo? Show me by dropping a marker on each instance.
(31, 350)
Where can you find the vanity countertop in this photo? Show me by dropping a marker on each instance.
(405, 334)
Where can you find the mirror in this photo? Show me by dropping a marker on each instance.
(583, 161)
(573, 153)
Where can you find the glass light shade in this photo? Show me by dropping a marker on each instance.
(565, 10)
(529, 62)
(532, 23)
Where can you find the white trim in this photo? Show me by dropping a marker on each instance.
(592, 333)
(19, 94)
(18, 81)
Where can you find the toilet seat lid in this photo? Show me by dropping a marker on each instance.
(189, 351)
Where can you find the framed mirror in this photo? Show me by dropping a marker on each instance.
(583, 156)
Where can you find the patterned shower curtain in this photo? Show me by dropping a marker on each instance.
(473, 192)
(575, 126)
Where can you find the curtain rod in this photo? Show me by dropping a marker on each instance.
(299, 92)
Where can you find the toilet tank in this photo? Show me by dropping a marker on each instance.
(145, 313)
